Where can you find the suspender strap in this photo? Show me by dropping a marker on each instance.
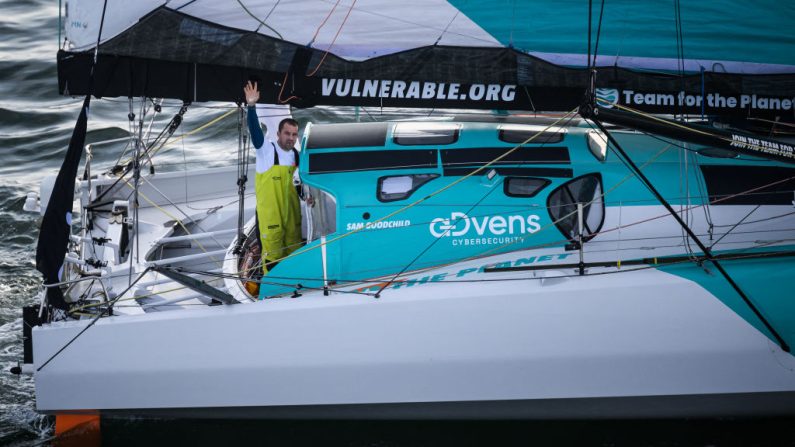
(276, 156)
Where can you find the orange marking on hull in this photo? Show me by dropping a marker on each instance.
(77, 430)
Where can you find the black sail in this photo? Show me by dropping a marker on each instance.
(56, 224)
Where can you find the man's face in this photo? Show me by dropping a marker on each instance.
(287, 136)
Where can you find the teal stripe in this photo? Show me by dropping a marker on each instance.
(767, 283)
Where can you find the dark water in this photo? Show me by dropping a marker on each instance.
(35, 125)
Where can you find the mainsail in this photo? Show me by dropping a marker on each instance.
(726, 58)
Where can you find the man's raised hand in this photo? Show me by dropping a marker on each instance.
(252, 93)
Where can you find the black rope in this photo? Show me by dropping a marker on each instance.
(590, 8)
(101, 314)
(680, 48)
(708, 254)
(598, 33)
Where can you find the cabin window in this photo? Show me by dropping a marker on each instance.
(420, 134)
(562, 205)
(519, 133)
(399, 187)
(524, 186)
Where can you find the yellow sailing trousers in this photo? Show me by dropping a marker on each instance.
(279, 213)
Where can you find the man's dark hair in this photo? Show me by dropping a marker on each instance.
(289, 121)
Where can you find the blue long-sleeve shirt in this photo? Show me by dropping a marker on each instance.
(254, 128)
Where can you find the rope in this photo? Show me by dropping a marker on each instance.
(680, 126)
(258, 20)
(333, 40)
(178, 221)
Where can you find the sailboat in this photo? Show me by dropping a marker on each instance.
(618, 244)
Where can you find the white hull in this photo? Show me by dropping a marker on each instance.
(632, 342)
(523, 349)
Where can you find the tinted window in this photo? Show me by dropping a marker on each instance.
(517, 133)
(398, 187)
(524, 187)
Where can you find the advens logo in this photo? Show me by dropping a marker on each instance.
(482, 230)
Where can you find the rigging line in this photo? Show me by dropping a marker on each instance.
(687, 214)
(178, 221)
(601, 197)
(673, 142)
(196, 130)
(680, 43)
(480, 169)
(267, 16)
(279, 98)
(598, 33)
(242, 175)
(99, 39)
(525, 278)
(679, 126)
(296, 286)
(258, 20)
(701, 184)
(453, 224)
(666, 215)
(765, 219)
(179, 8)
(333, 40)
(590, 12)
(322, 24)
(420, 25)
(631, 165)
(523, 237)
(576, 275)
(735, 226)
(128, 168)
(381, 278)
(455, 16)
(88, 326)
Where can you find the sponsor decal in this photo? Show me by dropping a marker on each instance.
(769, 147)
(683, 99)
(389, 88)
(377, 225)
(606, 97)
(464, 230)
(467, 272)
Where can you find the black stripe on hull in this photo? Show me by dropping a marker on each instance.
(519, 172)
(522, 155)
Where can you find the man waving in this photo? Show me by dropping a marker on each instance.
(278, 209)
